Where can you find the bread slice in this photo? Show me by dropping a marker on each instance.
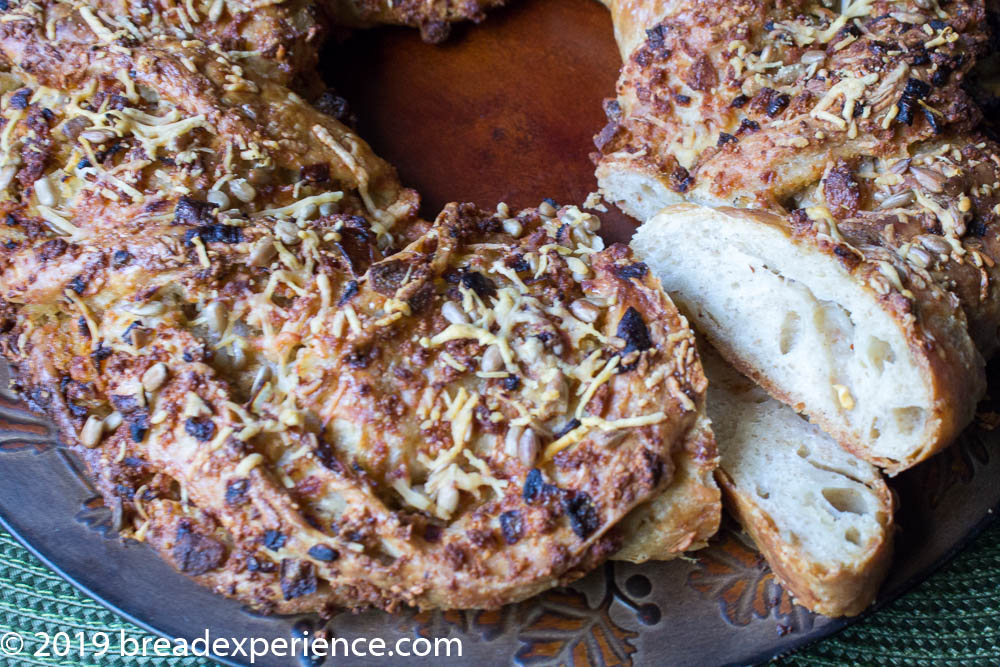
(686, 514)
(821, 516)
(876, 355)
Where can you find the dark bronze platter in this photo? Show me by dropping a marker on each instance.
(502, 112)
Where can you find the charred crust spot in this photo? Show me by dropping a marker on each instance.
(127, 334)
(315, 173)
(632, 329)
(100, 353)
(739, 101)
(194, 553)
(747, 126)
(655, 467)
(421, 298)
(361, 357)
(357, 247)
(387, 276)
(256, 565)
(932, 119)
(200, 429)
(484, 539)
(518, 263)
(843, 194)
(680, 180)
(124, 403)
(138, 427)
(777, 104)
(511, 382)
(214, 233)
(583, 518)
(190, 211)
(725, 138)
(941, 75)
(533, 485)
(298, 578)
(612, 110)
(566, 428)
(324, 452)
(236, 491)
(349, 291)
(323, 552)
(120, 258)
(337, 107)
(977, 227)
(634, 270)
(701, 76)
(19, 98)
(51, 249)
(478, 283)
(914, 91)
(274, 540)
(78, 284)
(511, 526)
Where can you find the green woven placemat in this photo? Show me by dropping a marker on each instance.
(954, 617)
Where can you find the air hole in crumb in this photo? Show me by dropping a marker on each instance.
(790, 329)
(879, 353)
(909, 419)
(762, 494)
(853, 536)
(874, 433)
(846, 500)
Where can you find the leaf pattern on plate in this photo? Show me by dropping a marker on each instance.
(561, 628)
(94, 514)
(487, 624)
(956, 465)
(22, 430)
(735, 574)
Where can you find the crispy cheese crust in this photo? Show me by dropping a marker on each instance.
(854, 132)
(745, 104)
(281, 379)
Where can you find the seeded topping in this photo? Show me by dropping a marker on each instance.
(289, 384)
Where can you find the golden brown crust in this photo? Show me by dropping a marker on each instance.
(686, 514)
(199, 286)
(539, 523)
(745, 103)
(845, 591)
(296, 391)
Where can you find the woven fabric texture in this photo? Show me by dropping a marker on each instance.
(952, 618)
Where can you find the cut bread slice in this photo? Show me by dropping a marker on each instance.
(821, 516)
(878, 357)
(686, 514)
